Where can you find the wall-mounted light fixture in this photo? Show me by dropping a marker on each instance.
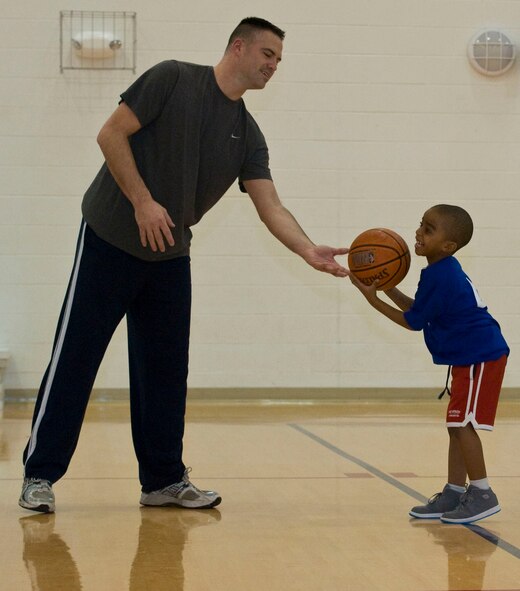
(491, 52)
(95, 45)
(97, 40)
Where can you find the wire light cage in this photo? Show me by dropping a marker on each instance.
(491, 53)
(97, 40)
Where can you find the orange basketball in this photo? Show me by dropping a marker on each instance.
(381, 254)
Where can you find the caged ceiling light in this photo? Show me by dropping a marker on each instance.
(491, 52)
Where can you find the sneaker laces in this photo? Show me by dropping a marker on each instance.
(188, 482)
(434, 498)
(465, 498)
(177, 487)
(38, 483)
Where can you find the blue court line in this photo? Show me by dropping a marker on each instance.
(477, 529)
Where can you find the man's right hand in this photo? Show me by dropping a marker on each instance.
(154, 224)
(152, 218)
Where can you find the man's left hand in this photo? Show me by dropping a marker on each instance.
(321, 257)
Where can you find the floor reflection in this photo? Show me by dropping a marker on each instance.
(157, 564)
(467, 558)
(46, 556)
(5, 452)
(163, 533)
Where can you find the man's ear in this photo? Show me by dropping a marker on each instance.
(237, 45)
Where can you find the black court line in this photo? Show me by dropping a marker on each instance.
(477, 529)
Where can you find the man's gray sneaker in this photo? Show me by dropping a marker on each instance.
(474, 504)
(440, 503)
(183, 494)
(37, 495)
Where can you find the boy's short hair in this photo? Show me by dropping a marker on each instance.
(247, 27)
(459, 225)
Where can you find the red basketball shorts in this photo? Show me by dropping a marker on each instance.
(475, 390)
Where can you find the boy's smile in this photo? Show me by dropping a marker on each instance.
(431, 240)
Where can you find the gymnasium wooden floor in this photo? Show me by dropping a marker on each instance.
(315, 498)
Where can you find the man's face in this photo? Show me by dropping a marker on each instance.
(260, 57)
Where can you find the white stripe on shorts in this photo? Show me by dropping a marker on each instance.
(471, 407)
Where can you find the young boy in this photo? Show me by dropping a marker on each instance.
(459, 332)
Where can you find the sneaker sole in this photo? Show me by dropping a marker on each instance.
(43, 508)
(425, 515)
(180, 503)
(478, 517)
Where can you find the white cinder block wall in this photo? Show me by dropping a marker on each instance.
(374, 115)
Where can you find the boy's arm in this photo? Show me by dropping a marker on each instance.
(402, 301)
(370, 293)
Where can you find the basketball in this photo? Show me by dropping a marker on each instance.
(380, 254)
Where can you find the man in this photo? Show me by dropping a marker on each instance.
(179, 138)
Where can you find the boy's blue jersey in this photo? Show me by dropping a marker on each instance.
(458, 329)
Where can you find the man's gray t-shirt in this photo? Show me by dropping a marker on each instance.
(193, 144)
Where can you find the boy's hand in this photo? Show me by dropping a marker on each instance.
(369, 291)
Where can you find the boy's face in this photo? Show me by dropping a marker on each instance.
(431, 239)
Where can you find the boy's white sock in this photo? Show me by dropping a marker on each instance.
(455, 487)
(483, 483)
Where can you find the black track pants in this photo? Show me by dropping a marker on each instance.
(106, 283)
